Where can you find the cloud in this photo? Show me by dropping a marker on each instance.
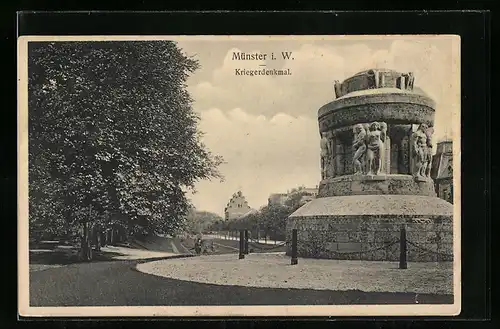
(263, 155)
(314, 68)
(266, 126)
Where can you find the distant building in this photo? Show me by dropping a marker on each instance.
(442, 170)
(277, 199)
(311, 191)
(281, 198)
(306, 198)
(236, 207)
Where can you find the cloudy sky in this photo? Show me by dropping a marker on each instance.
(266, 127)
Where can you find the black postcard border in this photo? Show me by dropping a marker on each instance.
(473, 28)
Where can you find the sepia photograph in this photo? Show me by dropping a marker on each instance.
(239, 175)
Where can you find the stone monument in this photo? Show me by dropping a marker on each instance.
(376, 157)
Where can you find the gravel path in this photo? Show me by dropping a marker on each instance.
(274, 271)
(124, 253)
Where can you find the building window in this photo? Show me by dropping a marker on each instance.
(449, 195)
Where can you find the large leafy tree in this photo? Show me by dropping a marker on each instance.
(272, 219)
(112, 135)
(199, 221)
(294, 201)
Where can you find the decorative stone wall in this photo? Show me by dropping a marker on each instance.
(393, 112)
(363, 237)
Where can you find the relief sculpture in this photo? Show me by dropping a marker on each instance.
(411, 80)
(422, 147)
(375, 78)
(338, 89)
(375, 147)
(408, 80)
(369, 141)
(358, 147)
(325, 154)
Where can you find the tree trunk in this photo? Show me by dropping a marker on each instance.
(104, 240)
(83, 242)
(86, 245)
(90, 240)
(98, 239)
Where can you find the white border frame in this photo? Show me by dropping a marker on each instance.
(183, 311)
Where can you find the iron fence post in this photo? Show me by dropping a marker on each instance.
(242, 245)
(246, 242)
(402, 249)
(294, 260)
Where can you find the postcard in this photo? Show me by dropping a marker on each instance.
(239, 175)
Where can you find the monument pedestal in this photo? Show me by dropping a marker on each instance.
(367, 227)
(374, 185)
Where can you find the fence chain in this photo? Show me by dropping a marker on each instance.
(390, 244)
(265, 248)
(225, 246)
(385, 246)
(255, 240)
(270, 248)
(428, 250)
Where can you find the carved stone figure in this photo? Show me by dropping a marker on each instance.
(382, 81)
(383, 151)
(401, 82)
(325, 154)
(410, 80)
(422, 151)
(338, 88)
(375, 145)
(428, 133)
(359, 147)
(374, 74)
(366, 126)
(407, 81)
(377, 79)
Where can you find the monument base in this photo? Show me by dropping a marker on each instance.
(393, 184)
(367, 227)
